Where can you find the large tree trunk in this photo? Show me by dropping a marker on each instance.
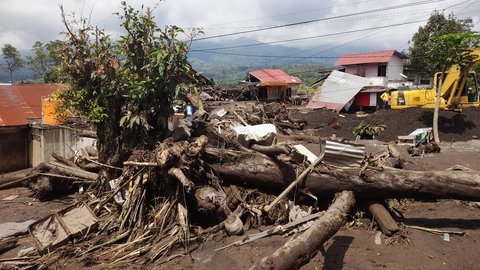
(296, 253)
(71, 171)
(374, 183)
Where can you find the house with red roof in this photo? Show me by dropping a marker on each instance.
(387, 65)
(20, 104)
(273, 84)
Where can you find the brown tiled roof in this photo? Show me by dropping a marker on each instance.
(20, 102)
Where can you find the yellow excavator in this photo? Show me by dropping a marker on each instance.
(459, 91)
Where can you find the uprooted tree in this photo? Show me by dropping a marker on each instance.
(124, 86)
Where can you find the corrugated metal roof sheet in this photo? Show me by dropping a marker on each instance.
(19, 102)
(337, 91)
(366, 58)
(274, 75)
(344, 154)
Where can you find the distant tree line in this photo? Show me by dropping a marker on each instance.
(47, 57)
(44, 61)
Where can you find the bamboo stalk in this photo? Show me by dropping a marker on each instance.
(103, 165)
(434, 231)
(142, 164)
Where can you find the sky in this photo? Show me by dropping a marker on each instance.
(372, 24)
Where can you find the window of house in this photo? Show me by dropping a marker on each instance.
(382, 70)
(360, 71)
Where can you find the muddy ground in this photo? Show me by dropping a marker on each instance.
(453, 126)
(353, 247)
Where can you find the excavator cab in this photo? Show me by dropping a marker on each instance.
(471, 89)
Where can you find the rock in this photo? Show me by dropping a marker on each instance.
(233, 225)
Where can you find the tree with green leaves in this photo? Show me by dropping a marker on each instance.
(422, 41)
(124, 86)
(12, 58)
(447, 51)
(45, 59)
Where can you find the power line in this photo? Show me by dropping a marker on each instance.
(310, 56)
(306, 38)
(321, 19)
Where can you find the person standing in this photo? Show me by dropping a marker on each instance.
(386, 97)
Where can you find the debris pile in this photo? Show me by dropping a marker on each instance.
(227, 169)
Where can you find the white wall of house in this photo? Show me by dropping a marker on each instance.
(377, 81)
(394, 68)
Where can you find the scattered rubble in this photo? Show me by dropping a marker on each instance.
(230, 168)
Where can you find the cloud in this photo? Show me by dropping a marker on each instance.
(23, 22)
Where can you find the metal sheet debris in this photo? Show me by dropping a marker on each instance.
(343, 154)
(337, 91)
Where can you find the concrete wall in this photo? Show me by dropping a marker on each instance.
(13, 148)
(54, 139)
(394, 68)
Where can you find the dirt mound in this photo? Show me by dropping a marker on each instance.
(453, 126)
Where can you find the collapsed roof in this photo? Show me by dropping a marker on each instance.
(338, 91)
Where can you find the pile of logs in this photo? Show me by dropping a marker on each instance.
(163, 195)
(50, 177)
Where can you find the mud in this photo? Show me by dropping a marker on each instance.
(453, 126)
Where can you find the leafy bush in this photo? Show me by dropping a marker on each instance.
(369, 130)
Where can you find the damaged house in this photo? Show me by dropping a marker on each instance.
(364, 78)
(272, 84)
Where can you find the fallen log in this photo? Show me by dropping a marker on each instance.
(385, 221)
(271, 150)
(299, 251)
(91, 167)
(13, 176)
(373, 183)
(7, 244)
(71, 171)
(64, 161)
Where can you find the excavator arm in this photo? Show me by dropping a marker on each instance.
(454, 82)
